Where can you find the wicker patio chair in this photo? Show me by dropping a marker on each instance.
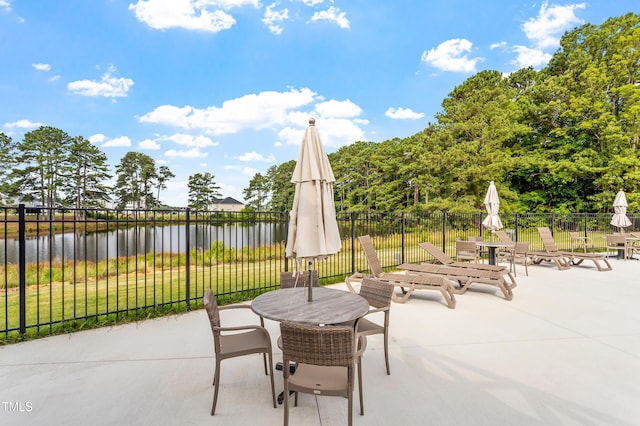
(519, 252)
(481, 252)
(505, 253)
(579, 241)
(378, 294)
(326, 360)
(618, 242)
(234, 341)
(633, 246)
(467, 250)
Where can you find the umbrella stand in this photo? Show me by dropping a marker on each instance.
(309, 283)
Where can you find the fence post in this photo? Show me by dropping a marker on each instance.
(187, 262)
(444, 231)
(22, 269)
(403, 241)
(353, 242)
(517, 225)
(286, 238)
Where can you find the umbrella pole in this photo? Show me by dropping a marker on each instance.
(309, 283)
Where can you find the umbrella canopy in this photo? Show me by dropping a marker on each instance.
(313, 229)
(620, 218)
(492, 203)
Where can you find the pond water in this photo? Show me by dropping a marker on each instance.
(128, 242)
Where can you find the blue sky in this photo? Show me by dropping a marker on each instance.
(227, 86)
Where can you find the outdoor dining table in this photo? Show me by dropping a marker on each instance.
(492, 246)
(329, 306)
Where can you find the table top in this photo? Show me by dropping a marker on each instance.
(492, 244)
(329, 306)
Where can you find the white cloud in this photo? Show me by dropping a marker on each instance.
(291, 135)
(108, 86)
(545, 30)
(311, 3)
(190, 140)
(332, 15)
(54, 78)
(451, 55)
(334, 132)
(498, 45)
(247, 171)
(530, 57)
(122, 141)
(42, 67)
(97, 138)
(274, 18)
(191, 153)
(337, 132)
(254, 156)
(338, 109)
(6, 5)
(403, 114)
(149, 144)
(200, 15)
(23, 124)
(255, 111)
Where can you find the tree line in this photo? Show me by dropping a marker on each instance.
(564, 139)
(50, 168)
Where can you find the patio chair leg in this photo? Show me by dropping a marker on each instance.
(216, 386)
(386, 350)
(359, 366)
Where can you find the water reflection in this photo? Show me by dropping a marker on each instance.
(128, 242)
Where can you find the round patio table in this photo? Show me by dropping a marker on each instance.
(329, 306)
(492, 249)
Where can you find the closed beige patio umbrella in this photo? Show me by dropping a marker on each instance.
(492, 204)
(620, 218)
(313, 229)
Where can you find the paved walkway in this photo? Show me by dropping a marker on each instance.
(565, 351)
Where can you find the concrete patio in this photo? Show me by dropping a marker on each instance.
(565, 351)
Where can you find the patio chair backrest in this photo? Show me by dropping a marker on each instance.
(467, 250)
(504, 237)
(211, 307)
(371, 255)
(616, 241)
(328, 345)
(547, 239)
(378, 293)
(434, 251)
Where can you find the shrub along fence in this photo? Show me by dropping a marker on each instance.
(66, 269)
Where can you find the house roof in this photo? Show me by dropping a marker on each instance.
(228, 200)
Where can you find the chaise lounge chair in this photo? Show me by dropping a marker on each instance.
(465, 273)
(575, 258)
(443, 258)
(466, 276)
(407, 282)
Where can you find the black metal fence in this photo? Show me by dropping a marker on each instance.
(64, 268)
